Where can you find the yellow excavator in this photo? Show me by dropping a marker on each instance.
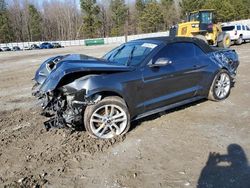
(201, 24)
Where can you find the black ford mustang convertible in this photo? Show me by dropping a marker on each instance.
(136, 79)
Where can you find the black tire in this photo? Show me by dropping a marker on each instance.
(212, 91)
(225, 42)
(239, 41)
(112, 100)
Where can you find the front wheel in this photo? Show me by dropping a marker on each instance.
(221, 86)
(108, 118)
(225, 41)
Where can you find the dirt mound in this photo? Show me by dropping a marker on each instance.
(30, 181)
(26, 122)
(40, 151)
(85, 143)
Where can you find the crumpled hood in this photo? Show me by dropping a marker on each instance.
(74, 63)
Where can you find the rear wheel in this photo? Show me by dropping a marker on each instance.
(221, 86)
(239, 40)
(108, 118)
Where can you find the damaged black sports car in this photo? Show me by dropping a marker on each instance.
(136, 79)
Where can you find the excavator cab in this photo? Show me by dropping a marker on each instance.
(200, 24)
(205, 19)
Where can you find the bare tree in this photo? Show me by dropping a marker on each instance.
(61, 20)
(16, 18)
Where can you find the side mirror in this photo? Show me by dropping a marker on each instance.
(161, 62)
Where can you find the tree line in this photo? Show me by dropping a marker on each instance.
(25, 20)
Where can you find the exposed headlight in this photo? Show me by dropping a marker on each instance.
(52, 64)
(56, 60)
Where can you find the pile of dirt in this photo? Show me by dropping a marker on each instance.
(85, 143)
(18, 116)
(23, 122)
(70, 145)
(40, 151)
(30, 181)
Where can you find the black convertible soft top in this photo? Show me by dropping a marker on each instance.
(168, 40)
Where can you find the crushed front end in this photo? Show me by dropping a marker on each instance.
(64, 110)
(58, 96)
(65, 85)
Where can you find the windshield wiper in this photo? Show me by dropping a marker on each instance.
(130, 56)
(115, 53)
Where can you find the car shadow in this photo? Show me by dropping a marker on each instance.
(80, 128)
(136, 123)
(235, 44)
(226, 171)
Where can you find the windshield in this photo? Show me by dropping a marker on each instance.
(203, 17)
(194, 17)
(130, 53)
(206, 17)
(227, 28)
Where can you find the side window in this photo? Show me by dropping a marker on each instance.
(178, 51)
(243, 27)
(238, 27)
(198, 51)
(247, 28)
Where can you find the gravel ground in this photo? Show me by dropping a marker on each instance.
(205, 144)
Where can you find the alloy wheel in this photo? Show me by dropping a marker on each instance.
(222, 85)
(108, 121)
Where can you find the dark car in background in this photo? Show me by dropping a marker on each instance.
(16, 48)
(5, 49)
(136, 79)
(46, 45)
(34, 47)
(57, 45)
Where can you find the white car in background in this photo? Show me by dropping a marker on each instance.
(239, 33)
(26, 48)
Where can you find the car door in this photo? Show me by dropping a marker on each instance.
(244, 32)
(174, 82)
(239, 30)
(247, 32)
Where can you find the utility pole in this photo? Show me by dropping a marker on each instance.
(126, 27)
